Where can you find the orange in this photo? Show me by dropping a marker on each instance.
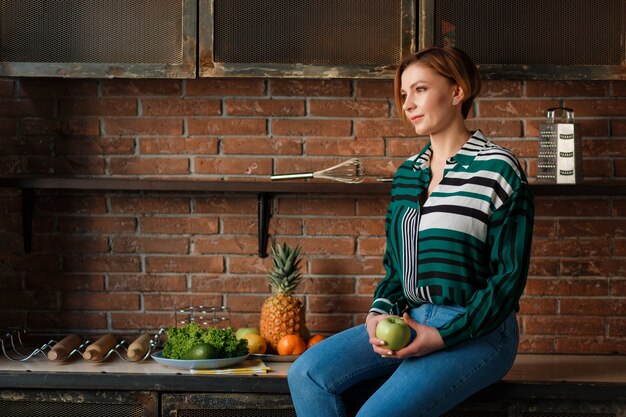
(256, 344)
(292, 344)
(315, 339)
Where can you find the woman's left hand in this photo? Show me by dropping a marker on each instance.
(427, 340)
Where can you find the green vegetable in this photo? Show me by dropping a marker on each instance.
(181, 340)
(200, 351)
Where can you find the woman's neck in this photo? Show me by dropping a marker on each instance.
(447, 143)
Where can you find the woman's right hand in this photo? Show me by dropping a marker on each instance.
(371, 321)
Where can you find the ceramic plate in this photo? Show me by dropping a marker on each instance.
(275, 358)
(197, 364)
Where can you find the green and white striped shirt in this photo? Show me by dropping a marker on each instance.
(468, 244)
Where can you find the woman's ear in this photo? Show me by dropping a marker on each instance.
(458, 95)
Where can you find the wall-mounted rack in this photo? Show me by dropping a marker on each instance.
(264, 190)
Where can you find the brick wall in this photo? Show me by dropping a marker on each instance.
(121, 261)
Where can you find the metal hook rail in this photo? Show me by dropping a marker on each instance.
(14, 349)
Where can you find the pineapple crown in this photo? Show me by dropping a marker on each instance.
(286, 276)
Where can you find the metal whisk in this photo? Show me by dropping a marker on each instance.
(349, 171)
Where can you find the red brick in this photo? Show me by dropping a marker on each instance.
(150, 87)
(374, 89)
(618, 88)
(536, 344)
(98, 107)
(544, 267)
(69, 165)
(338, 303)
(233, 166)
(26, 108)
(327, 285)
(619, 248)
(576, 247)
(311, 127)
(165, 204)
(6, 88)
(69, 321)
(617, 327)
(226, 244)
(249, 225)
(497, 127)
(344, 266)
(366, 286)
(83, 127)
(405, 147)
(254, 265)
(142, 321)
(590, 128)
(328, 324)
(264, 107)
(500, 88)
(309, 88)
(593, 307)
(324, 246)
(55, 88)
(178, 146)
(382, 128)
(141, 245)
(261, 146)
(97, 224)
(245, 303)
(25, 146)
(223, 283)
(221, 87)
(149, 166)
(565, 287)
(560, 89)
(100, 301)
(590, 345)
(186, 264)
(538, 306)
(95, 146)
(8, 127)
(179, 225)
(41, 299)
(563, 325)
(66, 244)
(227, 126)
(315, 206)
(144, 126)
(515, 108)
(590, 227)
(345, 147)
(181, 107)
(618, 127)
(597, 108)
(101, 263)
(348, 108)
(344, 226)
(225, 205)
(604, 148)
(593, 267)
(372, 206)
(146, 283)
(370, 246)
(620, 168)
(597, 168)
(171, 302)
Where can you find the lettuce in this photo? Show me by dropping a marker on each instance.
(180, 340)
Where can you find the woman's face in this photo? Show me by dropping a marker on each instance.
(428, 99)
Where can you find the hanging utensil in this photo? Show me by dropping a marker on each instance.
(349, 171)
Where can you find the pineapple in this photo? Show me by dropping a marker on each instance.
(283, 314)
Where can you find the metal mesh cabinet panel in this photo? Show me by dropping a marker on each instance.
(74, 403)
(226, 405)
(98, 37)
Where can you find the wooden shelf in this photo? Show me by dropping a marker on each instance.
(264, 190)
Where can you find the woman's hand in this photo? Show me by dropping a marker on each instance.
(427, 340)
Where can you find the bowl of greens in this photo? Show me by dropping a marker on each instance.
(194, 347)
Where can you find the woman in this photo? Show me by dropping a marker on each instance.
(459, 229)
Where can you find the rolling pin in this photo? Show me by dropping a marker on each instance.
(62, 349)
(98, 349)
(138, 349)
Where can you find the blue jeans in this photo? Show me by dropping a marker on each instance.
(424, 386)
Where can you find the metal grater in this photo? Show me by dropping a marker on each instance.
(560, 153)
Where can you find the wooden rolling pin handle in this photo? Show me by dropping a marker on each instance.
(62, 349)
(100, 347)
(139, 347)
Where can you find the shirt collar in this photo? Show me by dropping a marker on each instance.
(464, 157)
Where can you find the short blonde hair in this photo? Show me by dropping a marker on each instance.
(449, 62)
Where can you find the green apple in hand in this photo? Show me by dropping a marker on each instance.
(394, 331)
(242, 331)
